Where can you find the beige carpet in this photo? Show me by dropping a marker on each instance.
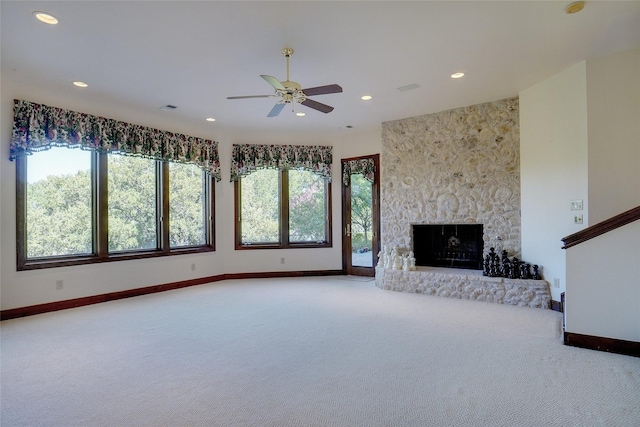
(307, 352)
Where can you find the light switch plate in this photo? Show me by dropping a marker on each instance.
(576, 205)
(577, 219)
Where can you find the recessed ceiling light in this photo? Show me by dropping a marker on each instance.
(366, 97)
(210, 119)
(574, 7)
(301, 114)
(80, 84)
(45, 17)
(457, 75)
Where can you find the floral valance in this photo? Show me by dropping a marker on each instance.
(365, 167)
(38, 127)
(247, 158)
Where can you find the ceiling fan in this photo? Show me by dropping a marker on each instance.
(289, 92)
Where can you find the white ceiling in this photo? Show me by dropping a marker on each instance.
(146, 54)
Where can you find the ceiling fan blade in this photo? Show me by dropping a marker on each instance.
(273, 81)
(324, 108)
(322, 90)
(276, 109)
(250, 96)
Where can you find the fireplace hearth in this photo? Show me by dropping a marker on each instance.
(448, 245)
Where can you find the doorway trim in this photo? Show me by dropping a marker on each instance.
(347, 267)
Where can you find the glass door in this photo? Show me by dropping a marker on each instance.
(360, 216)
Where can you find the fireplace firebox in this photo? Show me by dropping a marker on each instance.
(448, 245)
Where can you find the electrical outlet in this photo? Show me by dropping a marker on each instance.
(282, 260)
(577, 219)
(556, 282)
(59, 284)
(193, 267)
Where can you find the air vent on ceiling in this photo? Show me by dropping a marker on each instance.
(168, 107)
(408, 87)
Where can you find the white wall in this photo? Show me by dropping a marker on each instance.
(25, 288)
(580, 139)
(349, 144)
(603, 276)
(553, 168)
(613, 100)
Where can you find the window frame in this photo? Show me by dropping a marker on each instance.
(99, 197)
(284, 243)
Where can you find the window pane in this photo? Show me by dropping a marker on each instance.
(260, 207)
(186, 205)
(307, 207)
(361, 222)
(59, 203)
(132, 203)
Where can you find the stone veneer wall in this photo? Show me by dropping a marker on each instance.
(457, 166)
(466, 284)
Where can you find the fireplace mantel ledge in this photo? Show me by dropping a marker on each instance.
(466, 284)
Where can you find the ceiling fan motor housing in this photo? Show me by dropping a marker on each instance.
(292, 92)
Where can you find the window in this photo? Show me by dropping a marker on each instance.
(187, 208)
(307, 207)
(282, 209)
(78, 207)
(260, 207)
(132, 200)
(59, 209)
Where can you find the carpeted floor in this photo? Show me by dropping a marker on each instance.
(321, 351)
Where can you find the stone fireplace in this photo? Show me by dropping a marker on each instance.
(460, 166)
(448, 245)
(445, 170)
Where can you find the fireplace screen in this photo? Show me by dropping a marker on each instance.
(448, 245)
